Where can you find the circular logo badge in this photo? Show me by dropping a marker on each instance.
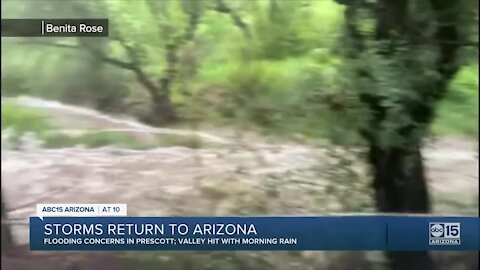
(436, 230)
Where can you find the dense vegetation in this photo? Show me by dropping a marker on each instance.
(270, 64)
(383, 74)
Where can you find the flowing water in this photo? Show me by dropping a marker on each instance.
(257, 178)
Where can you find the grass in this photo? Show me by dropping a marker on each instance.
(22, 119)
(92, 140)
(101, 139)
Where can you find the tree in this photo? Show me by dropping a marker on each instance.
(171, 36)
(402, 69)
(68, 83)
(221, 7)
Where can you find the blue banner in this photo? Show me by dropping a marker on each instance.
(255, 233)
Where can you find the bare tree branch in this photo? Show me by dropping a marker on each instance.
(112, 61)
(135, 63)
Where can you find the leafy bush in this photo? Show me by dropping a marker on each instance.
(22, 119)
(458, 112)
(258, 90)
(292, 29)
(64, 75)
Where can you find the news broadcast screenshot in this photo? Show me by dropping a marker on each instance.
(239, 135)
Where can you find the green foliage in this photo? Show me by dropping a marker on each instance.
(91, 140)
(259, 92)
(458, 113)
(255, 89)
(282, 79)
(58, 74)
(66, 74)
(100, 139)
(293, 28)
(22, 119)
(383, 83)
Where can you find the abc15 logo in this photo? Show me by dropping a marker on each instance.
(444, 230)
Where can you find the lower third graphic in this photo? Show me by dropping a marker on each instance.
(444, 233)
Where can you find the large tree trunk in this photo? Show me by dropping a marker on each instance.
(400, 187)
(399, 180)
(162, 111)
(398, 173)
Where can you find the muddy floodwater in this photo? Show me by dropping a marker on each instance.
(260, 178)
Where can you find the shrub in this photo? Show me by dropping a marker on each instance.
(458, 112)
(22, 119)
